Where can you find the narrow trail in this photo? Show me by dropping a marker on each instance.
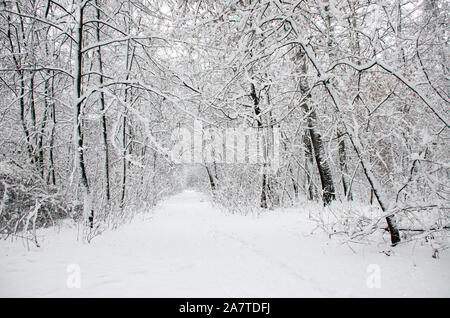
(189, 248)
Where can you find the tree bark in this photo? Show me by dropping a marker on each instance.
(257, 112)
(328, 193)
(78, 123)
(308, 164)
(315, 146)
(343, 165)
(211, 180)
(51, 169)
(104, 131)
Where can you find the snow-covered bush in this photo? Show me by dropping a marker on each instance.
(27, 203)
(353, 221)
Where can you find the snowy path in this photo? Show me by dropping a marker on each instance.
(188, 248)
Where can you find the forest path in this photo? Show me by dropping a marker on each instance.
(189, 248)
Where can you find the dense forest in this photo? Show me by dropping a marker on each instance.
(357, 92)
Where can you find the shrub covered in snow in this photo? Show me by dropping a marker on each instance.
(27, 203)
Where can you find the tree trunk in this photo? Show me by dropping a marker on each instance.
(211, 180)
(326, 179)
(343, 165)
(328, 193)
(124, 155)
(257, 112)
(51, 169)
(104, 126)
(308, 165)
(78, 123)
(128, 65)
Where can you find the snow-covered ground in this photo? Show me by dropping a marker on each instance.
(188, 248)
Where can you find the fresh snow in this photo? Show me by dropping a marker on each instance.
(187, 247)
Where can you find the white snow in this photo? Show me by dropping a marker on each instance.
(188, 248)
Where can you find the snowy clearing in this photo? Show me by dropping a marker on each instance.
(188, 248)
